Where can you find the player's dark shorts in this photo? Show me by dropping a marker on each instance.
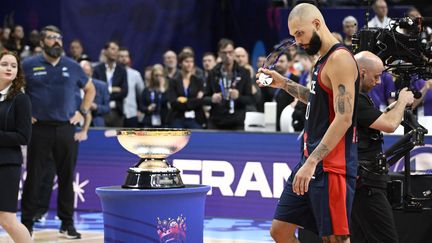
(324, 209)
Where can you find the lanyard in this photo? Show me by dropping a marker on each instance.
(186, 91)
(225, 83)
(159, 100)
(222, 83)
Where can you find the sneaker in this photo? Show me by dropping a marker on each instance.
(69, 232)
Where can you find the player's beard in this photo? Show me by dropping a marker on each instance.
(314, 44)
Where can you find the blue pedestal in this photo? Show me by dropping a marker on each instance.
(153, 215)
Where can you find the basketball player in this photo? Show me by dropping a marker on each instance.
(319, 193)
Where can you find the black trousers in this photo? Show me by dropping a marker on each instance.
(50, 144)
(372, 217)
(45, 189)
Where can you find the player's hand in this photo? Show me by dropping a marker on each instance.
(302, 178)
(406, 96)
(34, 120)
(278, 80)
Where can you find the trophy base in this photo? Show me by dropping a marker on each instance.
(153, 179)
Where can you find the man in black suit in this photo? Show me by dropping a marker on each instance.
(116, 78)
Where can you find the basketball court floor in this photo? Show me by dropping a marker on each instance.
(90, 225)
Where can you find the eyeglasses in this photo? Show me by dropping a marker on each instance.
(274, 56)
(54, 37)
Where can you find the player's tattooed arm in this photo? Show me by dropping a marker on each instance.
(320, 152)
(297, 90)
(344, 100)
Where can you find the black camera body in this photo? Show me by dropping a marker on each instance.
(402, 53)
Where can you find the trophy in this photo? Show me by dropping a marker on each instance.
(153, 146)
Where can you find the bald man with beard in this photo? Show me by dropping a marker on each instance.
(319, 193)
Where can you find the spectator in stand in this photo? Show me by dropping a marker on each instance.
(100, 106)
(380, 20)
(242, 58)
(185, 96)
(6, 32)
(259, 62)
(16, 41)
(349, 25)
(170, 64)
(337, 36)
(135, 89)
(197, 71)
(2, 48)
(303, 63)
(423, 105)
(228, 91)
(77, 51)
(293, 49)
(33, 39)
(116, 78)
(208, 63)
(33, 42)
(153, 101)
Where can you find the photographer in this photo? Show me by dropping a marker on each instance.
(372, 217)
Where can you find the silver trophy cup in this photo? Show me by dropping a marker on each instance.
(153, 146)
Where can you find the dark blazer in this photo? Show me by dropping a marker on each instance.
(178, 109)
(15, 128)
(102, 100)
(119, 79)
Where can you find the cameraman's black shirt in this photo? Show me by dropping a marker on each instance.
(369, 143)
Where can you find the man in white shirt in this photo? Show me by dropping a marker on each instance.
(135, 88)
(380, 20)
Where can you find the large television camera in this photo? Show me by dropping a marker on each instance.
(403, 48)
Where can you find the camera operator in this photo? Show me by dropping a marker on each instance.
(372, 217)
